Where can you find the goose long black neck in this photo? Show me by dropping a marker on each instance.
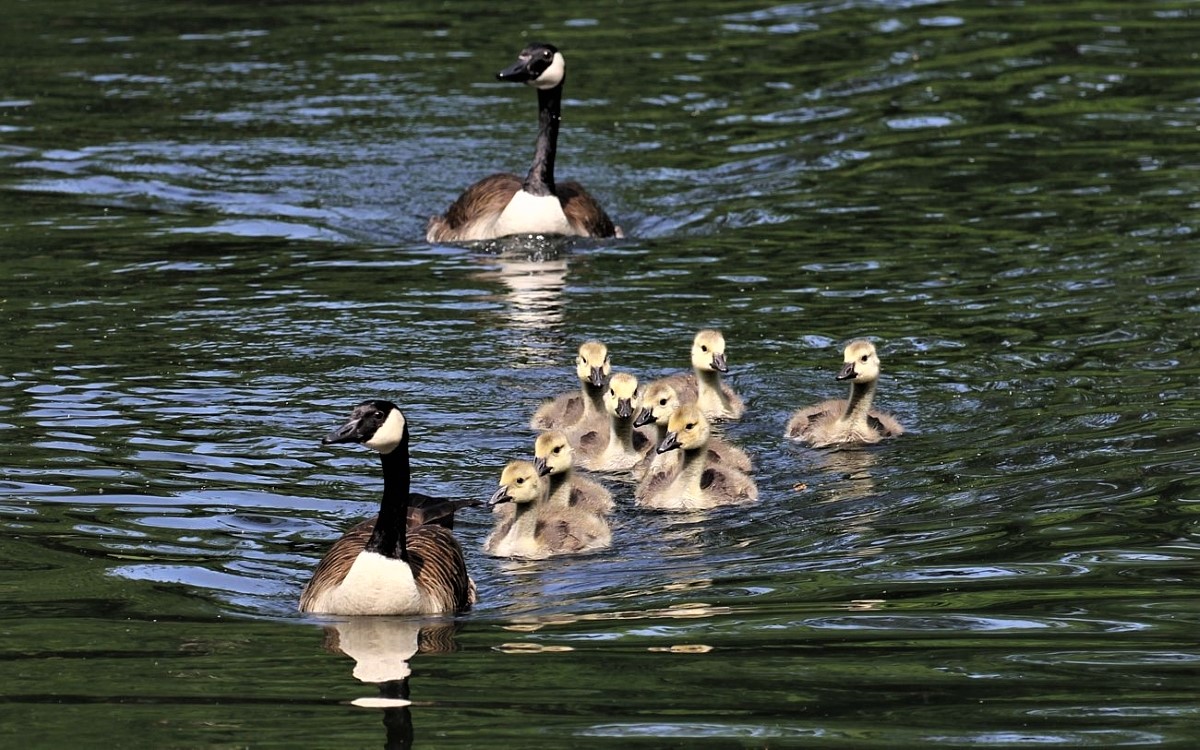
(540, 180)
(388, 538)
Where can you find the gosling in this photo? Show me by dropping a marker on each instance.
(704, 385)
(585, 407)
(694, 483)
(659, 402)
(555, 459)
(618, 446)
(536, 531)
(852, 421)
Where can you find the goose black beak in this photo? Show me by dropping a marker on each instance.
(518, 72)
(718, 363)
(669, 443)
(347, 433)
(847, 372)
(500, 496)
(596, 377)
(539, 465)
(624, 408)
(643, 418)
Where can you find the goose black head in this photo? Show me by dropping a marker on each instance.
(540, 65)
(375, 423)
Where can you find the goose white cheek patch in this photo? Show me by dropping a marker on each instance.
(389, 434)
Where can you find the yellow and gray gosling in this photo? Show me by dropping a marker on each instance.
(659, 402)
(384, 566)
(849, 421)
(536, 531)
(582, 409)
(503, 204)
(693, 483)
(704, 385)
(555, 459)
(619, 446)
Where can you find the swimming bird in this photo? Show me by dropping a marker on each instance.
(847, 421)
(618, 446)
(504, 204)
(555, 459)
(584, 407)
(659, 402)
(704, 385)
(694, 482)
(535, 530)
(385, 566)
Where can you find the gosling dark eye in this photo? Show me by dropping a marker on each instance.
(703, 348)
(690, 425)
(521, 480)
(865, 357)
(557, 450)
(662, 402)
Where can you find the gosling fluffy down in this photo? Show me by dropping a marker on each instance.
(852, 421)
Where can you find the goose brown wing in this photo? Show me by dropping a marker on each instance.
(438, 567)
(584, 212)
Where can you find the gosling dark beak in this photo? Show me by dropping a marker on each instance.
(718, 363)
(539, 465)
(669, 443)
(500, 496)
(347, 433)
(847, 372)
(518, 72)
(624, 408)
(596, 377)
(643, 418)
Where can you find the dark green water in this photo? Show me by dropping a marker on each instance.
(211, 221)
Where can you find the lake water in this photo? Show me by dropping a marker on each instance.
(211, 222)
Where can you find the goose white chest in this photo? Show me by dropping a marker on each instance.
(531, 214)
(375, 585)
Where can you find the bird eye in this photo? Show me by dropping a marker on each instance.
(865, 357)
(703, 347)
(662, 402)
(690, 425)
(520, 480)
(557, 449)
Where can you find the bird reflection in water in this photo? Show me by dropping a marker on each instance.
(381, 648)
(533, 272)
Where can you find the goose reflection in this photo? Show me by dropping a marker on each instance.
(381, 648)
(534, 284)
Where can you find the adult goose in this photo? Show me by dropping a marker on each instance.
(704, 385)
(504, 204)
(389, 565)
(849, 421)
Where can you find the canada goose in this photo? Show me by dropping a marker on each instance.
(659, 402)
(504, 204)
(693, 483)
(554, 458)
(582, 407)
(535, 530)
(704, 385)
(383, 566)
(618, 446)
(847, 421)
